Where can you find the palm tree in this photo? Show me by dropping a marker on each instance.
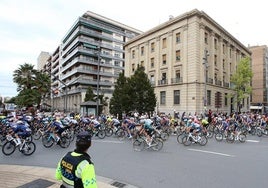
(24, 76)
(32, 85)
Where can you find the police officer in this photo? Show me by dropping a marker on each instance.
(75, 169)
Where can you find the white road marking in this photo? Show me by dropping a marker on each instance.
(212, 152)
(108, 141)
(252, 141)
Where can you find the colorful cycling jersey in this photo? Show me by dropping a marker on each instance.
(95, 123)
(115, 121)
(148, 123)
(204, 122)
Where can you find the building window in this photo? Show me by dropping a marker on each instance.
(208, 97)
(178, 37)
(178, 74)
(152, 62)
(230, 53)
(133, 54)
(215, 60)
(142, 51)
(142, 63)
(164, 59)
(133, 67)
(215, 44)
(223, 64)
(117, 63)
(152, 47)
(225, 99)
(178, 55)
(206, 38)
(223, 48)
(164, 44)
(162, 97)
(176, 96)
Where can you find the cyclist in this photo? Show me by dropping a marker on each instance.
(129, 124)
(75, 169)
(147, 129)
(20, 129)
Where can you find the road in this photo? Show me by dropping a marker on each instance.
(217, 165)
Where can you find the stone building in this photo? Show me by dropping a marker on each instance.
(189, 60)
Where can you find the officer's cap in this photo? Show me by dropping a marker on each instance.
(83, 137)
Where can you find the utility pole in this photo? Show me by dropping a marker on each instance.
(98, 81)
(205, 63)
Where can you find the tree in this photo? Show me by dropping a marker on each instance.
(241, 81)
(32, 85)
(90, 96)
(142, 92)
(24, 76)
(119, 96)
(133, 94)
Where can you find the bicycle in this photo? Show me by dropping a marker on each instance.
(27, 147)
(141, 143)
(48, 139)
(189, 138)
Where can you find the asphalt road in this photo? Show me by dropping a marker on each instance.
(217, 165)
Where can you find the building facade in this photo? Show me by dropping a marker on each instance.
(259, 98)
(189, 61)
(91, 54)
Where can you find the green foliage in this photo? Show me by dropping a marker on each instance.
(134, 93)
(90, 96)
(241, 80)
(119, 96)
(32, 85)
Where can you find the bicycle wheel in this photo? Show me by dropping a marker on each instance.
(47, 140)
(179, 137)
(101, 134)
(203, 140)
(259, 132)
(187, 141)
(28, 148)
(230, 138)
(109, 132)
(164, 135)
(37, 135)
(157, 144)
(121, 134)
(138, 145)
(8, 148)
(64, 142)
(2, 139)
(210, 134)
(219, 137)
(242, 138)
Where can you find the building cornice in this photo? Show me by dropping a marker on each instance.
(182, 17)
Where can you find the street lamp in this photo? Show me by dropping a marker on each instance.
(205, 63)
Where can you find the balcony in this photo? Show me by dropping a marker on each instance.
(225, 84)
(162, 82)
(218, 82)
(176, 80)
(209, 80)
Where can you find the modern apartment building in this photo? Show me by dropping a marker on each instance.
(91, 54)
(259, 98)
(189, 60)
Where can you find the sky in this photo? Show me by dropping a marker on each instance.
(28, 27)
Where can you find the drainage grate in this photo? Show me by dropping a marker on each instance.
(118, 184)
(38, 183)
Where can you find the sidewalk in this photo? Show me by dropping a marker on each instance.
(12, 176)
